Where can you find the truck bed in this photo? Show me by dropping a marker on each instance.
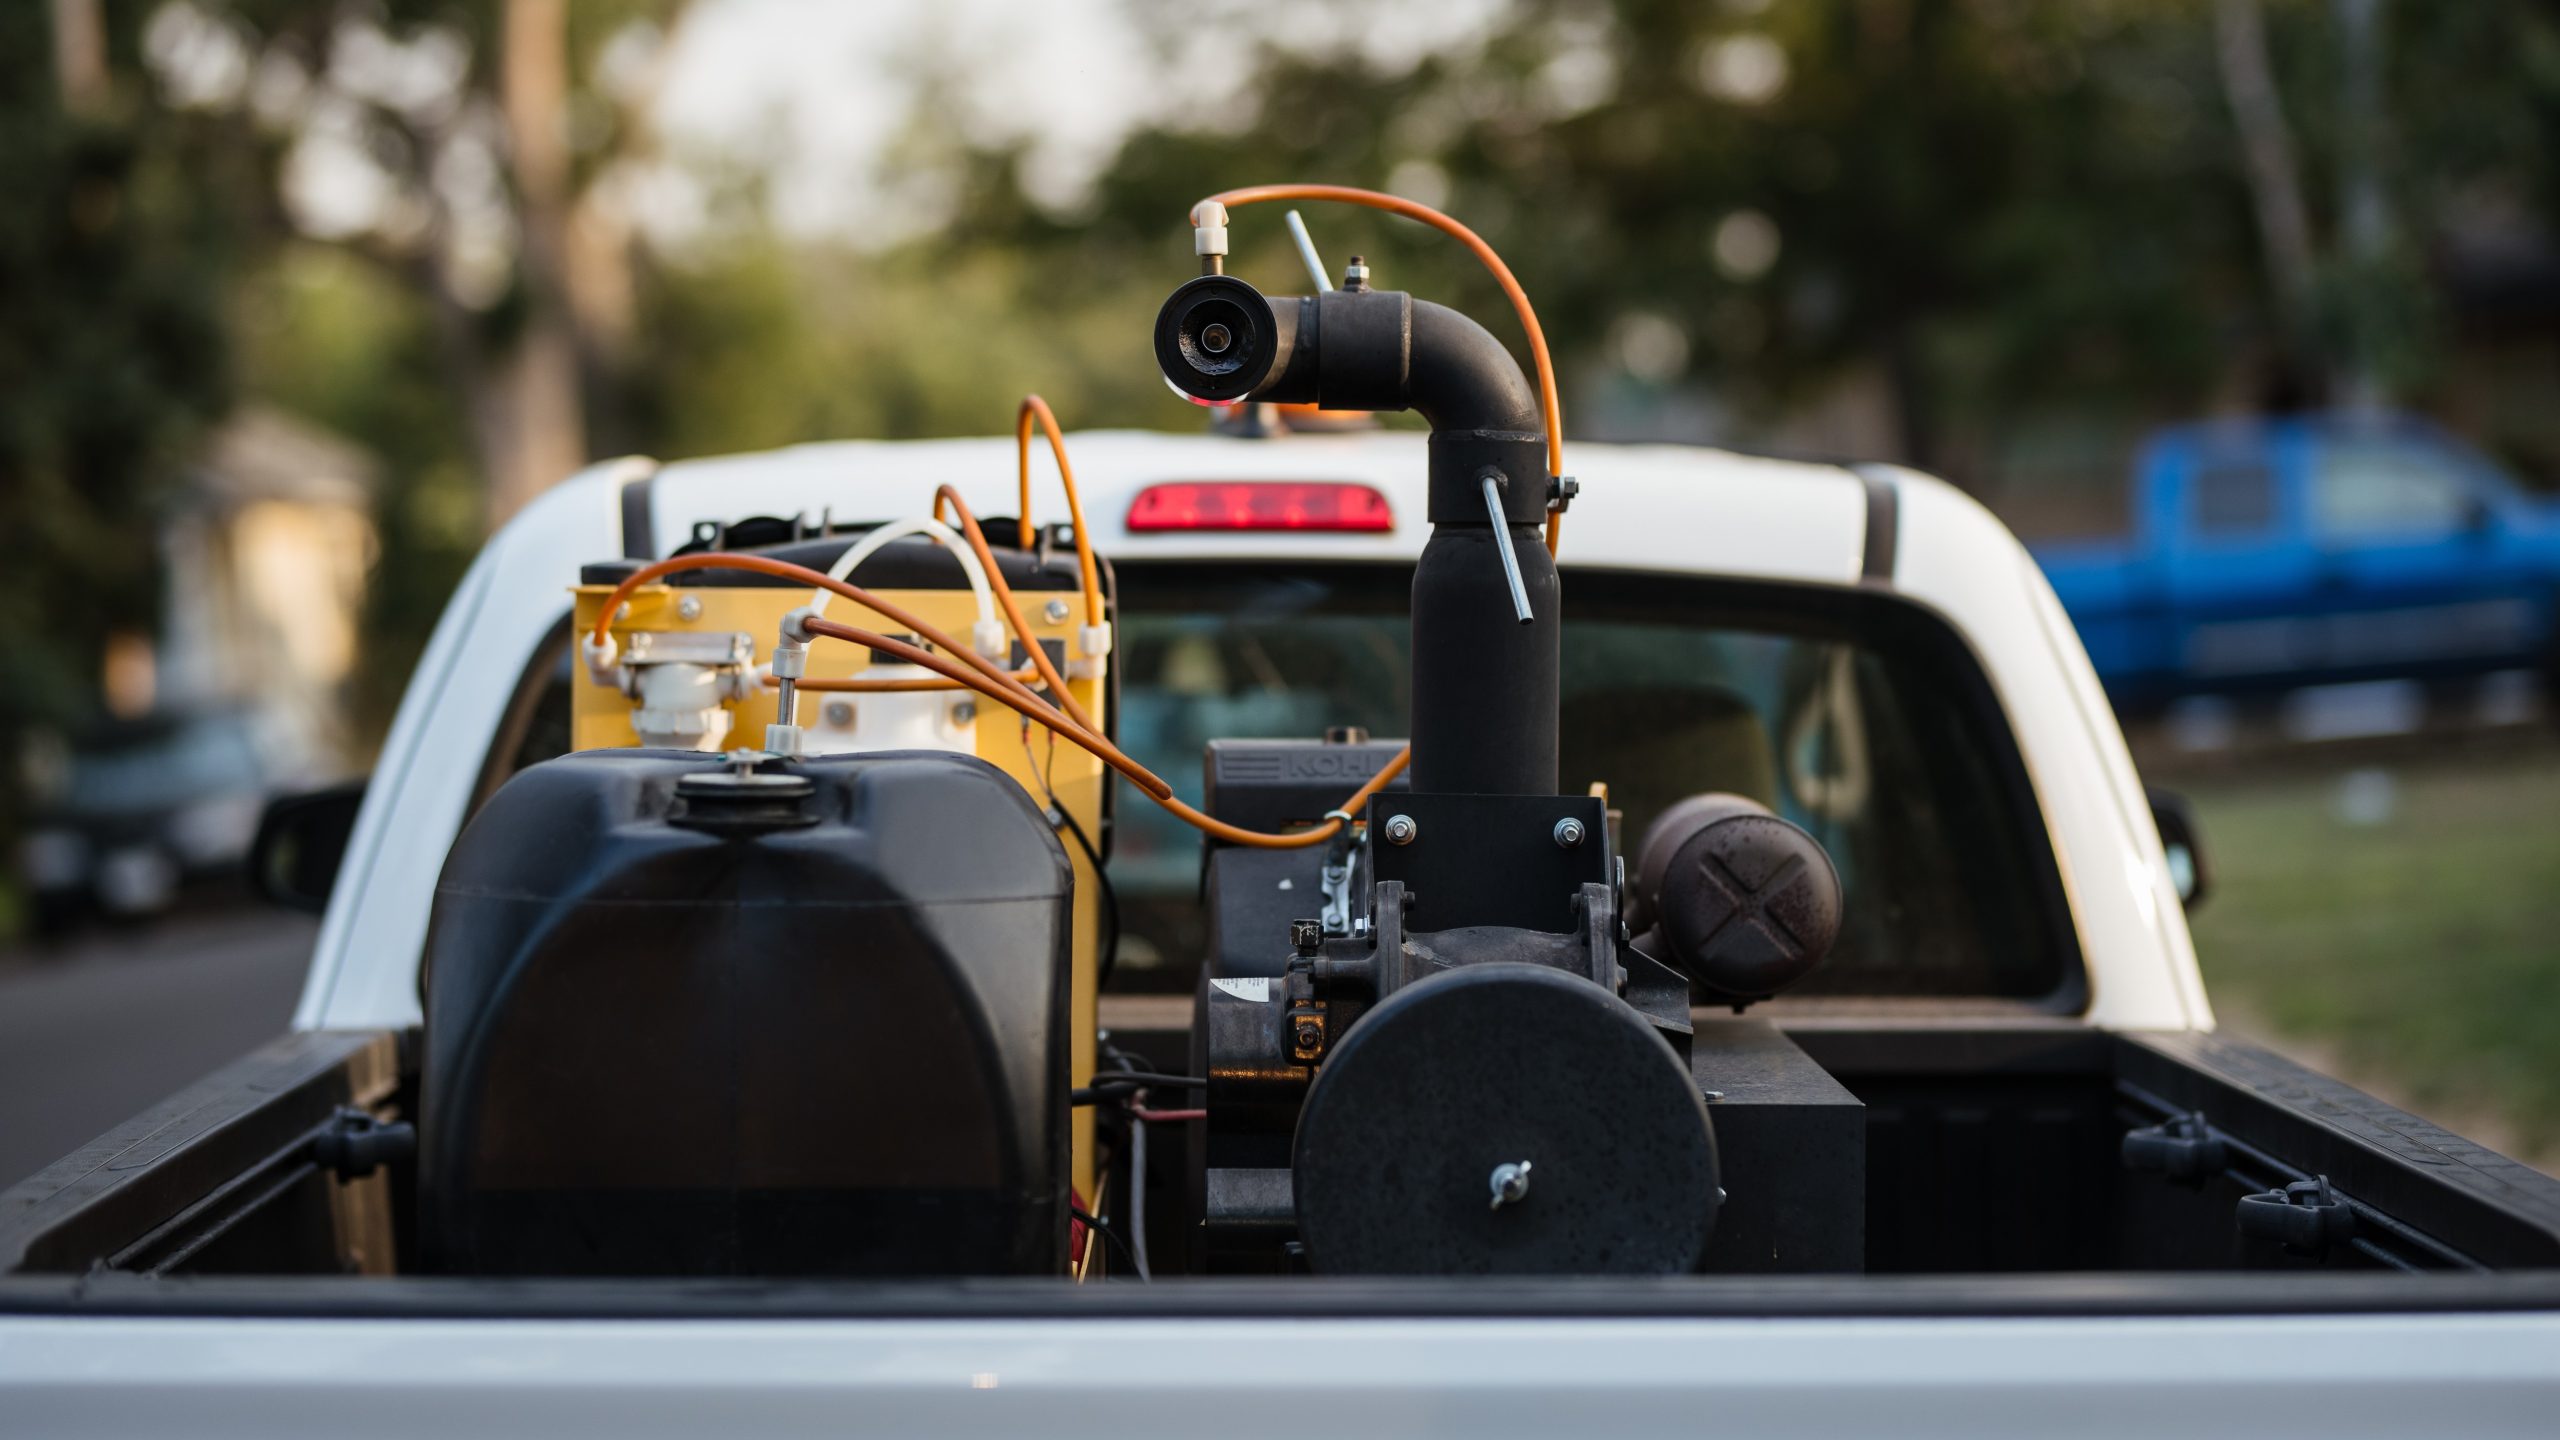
(1997, 1182)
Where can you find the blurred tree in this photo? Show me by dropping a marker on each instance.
(1752, 200)
(113, 251)
(1989, 213)
(467, 155)
(2275, 183)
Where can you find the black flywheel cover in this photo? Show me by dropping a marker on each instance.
(1431, 1094)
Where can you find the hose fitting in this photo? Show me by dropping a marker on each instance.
(1209, 236)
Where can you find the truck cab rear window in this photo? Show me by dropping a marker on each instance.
(1857, 716)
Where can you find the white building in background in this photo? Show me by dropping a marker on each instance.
(266, 552)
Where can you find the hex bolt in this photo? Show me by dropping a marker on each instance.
(1400, 829)
(1306, 936)
(1308, 1035)
(839, 713)
(1055, 612)
(689, 608)
(1569, 832)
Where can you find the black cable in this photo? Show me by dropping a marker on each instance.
(1112, 1089)
(1119, 1241)
(1128, 1059)
(1133, 1078)
(1110, 897)
(1130, 1073)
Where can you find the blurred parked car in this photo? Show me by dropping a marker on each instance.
(131, 812)
(2266, 555)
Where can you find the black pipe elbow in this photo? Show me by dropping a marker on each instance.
(1463, 380)
(1218, 340)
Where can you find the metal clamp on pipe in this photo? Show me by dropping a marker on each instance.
(1493, 487)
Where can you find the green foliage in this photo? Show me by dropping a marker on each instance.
(1938, 179)
(2014, 210)
(113, 248)
(767, 345)
(2028, 217)
(2438, 983)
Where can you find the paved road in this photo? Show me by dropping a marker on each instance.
(94, 1033)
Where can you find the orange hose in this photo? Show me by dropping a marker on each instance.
(1034, 409)
(980, 675)
(1548, 400)
(1012, 612)
(763, 565)
(988, 680)
(1049, 676)
(1018, 698)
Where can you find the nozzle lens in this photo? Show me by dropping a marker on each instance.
(1216, 339)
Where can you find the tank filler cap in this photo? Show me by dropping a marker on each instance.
(743, 799)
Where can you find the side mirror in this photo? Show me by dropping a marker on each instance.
(2183, 843)
(302, 839)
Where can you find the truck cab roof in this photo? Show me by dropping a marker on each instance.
(1884, 533)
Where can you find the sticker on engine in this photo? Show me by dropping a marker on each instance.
(1256, 989)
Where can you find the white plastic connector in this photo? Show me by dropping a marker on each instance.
(1208, 228)
(795, 629)
(680, 707)
(989, 637)
(784, 740)
(1092, 643)
(603, 660)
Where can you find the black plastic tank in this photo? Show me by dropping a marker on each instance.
(683, 1019)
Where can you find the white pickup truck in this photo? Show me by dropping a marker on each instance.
(2069, 1207)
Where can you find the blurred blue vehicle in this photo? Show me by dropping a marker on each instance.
(2272, 554)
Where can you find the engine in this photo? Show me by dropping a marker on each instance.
(828, 1005)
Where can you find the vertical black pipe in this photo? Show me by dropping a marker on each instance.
(1485, 687)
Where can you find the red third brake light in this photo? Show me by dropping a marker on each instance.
(1261, 505)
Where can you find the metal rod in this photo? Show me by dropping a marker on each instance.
(1502, 537)
(1138, 1196)
(1307, 252)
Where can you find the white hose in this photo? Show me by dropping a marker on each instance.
(870, 544)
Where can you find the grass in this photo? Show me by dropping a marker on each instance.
(2418, 954)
